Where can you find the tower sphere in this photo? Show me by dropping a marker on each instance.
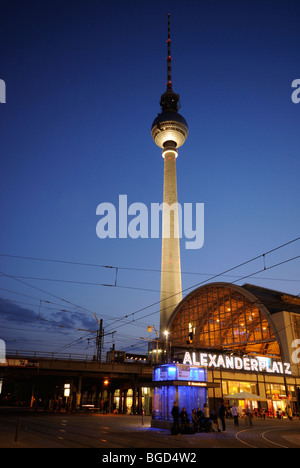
(169, 126)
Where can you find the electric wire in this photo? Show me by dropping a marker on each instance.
(221, 274)
(191, 287)
(153, 270)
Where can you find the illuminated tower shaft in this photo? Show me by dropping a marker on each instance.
(169, 132)
(171, 288)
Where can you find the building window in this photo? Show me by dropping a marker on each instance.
(275, 391)
(220, 317)
(237, 387)
(296, 326)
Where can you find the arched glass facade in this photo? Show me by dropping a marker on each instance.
(223, 316)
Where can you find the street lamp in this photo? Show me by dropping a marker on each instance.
(67, 390)
(166, 333)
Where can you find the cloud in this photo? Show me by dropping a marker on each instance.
(10, 310)
(23, 325)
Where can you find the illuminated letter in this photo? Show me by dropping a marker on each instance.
(187, 359)
(262, 365)
(220, 362)
(238, 363)
(203, 359)
(212, 361)
(246, 363)
(287, 368)
(254, 365)
(229, 362)
(196, 363)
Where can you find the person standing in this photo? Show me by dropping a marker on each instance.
(175, 414)
(206, 417)
(221, 415)
(249, 415)
(240, 411)
(194, 420)
(235, 414)
(200, 419)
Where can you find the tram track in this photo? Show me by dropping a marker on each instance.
(271, 441)
(53, 431)
(259, 439)
(106, 432)
(66, 432)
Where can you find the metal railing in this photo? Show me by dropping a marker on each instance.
(56, 356)
(22, 354)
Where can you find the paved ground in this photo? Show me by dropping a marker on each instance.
(23, 429)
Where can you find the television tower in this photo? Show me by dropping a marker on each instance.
(169, 131)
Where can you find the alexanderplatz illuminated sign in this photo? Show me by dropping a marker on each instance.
(236, 363)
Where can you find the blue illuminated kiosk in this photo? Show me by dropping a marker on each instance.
(177, 382)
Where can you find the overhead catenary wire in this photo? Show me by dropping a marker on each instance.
(107, 266)
(130, 268)
(192, 287)
(57, 280)
(241, 278)
(45, 292)
(222, 273)
(125, 317)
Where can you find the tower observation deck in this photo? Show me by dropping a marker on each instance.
(169, 131)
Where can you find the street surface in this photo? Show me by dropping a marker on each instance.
(29, 429)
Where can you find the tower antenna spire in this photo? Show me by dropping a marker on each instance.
(169, 101)
(169, 58)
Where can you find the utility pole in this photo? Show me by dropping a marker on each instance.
(99, 341)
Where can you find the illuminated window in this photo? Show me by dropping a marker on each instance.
(237, 387)
(67, 390)
(296, 326)
(218, 316)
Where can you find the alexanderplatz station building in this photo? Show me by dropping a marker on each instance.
(225, 339)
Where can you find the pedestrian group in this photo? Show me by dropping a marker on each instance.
(201, 420)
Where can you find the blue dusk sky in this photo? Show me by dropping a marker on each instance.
(83, 84)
